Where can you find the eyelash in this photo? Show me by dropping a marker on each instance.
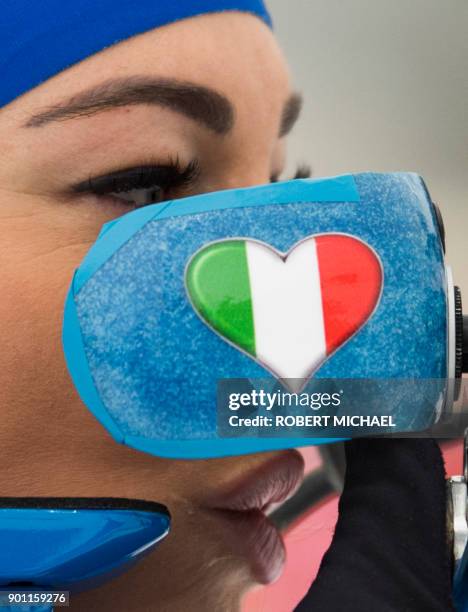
(160, 181)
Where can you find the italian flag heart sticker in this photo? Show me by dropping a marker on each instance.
(290, 311)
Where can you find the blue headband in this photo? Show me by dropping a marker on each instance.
(39, 39)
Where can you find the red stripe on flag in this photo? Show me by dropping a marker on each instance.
(351, 282)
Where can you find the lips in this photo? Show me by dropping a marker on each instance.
(242, 508)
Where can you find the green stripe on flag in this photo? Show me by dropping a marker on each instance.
(217, 281)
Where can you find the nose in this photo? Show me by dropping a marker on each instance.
(245, 177)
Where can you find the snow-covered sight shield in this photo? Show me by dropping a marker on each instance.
(336, 279)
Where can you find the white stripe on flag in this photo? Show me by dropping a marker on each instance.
(287, 309)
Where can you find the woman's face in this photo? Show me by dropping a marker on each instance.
(125, 108)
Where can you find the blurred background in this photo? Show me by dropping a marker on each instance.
(385, 86)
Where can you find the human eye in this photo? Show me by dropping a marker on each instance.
(141, 185)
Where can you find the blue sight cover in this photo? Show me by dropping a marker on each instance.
(334, 287)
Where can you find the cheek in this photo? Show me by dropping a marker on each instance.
(33, 285)
(41, 244)
(44, 427)
(38, 403)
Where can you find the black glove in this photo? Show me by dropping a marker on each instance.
(390, 551)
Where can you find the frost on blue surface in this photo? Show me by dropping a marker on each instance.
(156, 365)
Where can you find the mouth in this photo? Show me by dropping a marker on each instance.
(243, 509)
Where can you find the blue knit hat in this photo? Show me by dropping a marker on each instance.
(39, 38)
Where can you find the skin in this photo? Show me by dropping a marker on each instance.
(50, 442)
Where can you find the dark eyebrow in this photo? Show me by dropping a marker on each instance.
(291, 111)
(204, 105)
